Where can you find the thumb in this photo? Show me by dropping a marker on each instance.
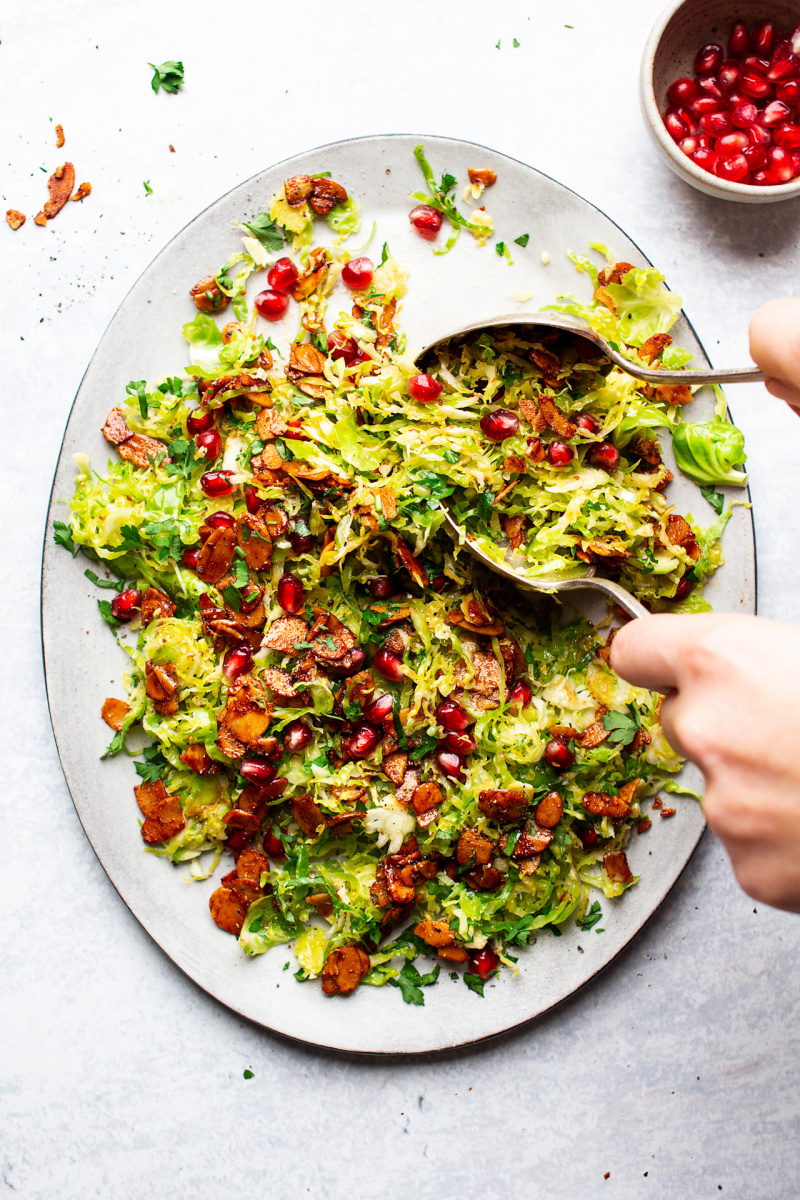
(648, 652)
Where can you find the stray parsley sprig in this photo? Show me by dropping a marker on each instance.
(621, 728)
(264, 229)
(411, 982)
(168, 76)
(438, 196)
(62, 536)
(590, 918)
(154, 763)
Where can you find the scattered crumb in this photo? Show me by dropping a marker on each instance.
(643, 824)
(60, 139)
(545, 257)
(607, 1174)
(668, 812)
(40, 219)
(522, 297)
(15, 219)
(658, 803)
(82, 190)
(171, 148)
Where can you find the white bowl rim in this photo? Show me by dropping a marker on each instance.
(707, 181)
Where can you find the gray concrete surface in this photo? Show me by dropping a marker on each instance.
(677, 1070)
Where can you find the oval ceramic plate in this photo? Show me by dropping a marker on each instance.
(144, 341)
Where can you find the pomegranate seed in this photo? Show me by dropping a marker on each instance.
(381, 587)
(733, 99)
(271, 305)
(301, 539)
(282, 275)
(439, 583)
(342, 346)
(560, 454)
(763, 38)
(589, 838)
(452, 717)
(732, 143)
(209, 443)
(220, 520)
(795, 157)
(716, 124)
(745, 114)
(190, 557)
(754, 63)
(450, 764)
(759, 136)
(125, 604)
(296, 736)
(426, 219)
(483, 962)
(787, 67)
(238, 661)
(756, 158)
(676, 128)
(774, 114)
(762, 179)
(703, 105)
(558, 754)
(252, 499)
(587, 423)
(733, 169)
(521, 694)
(706, 159)
(389, 665)
(273, 846)
(688, 117)
(685, 586)
(795, 40)
(216, 483)
(462, 743)
(755, 85)
(604, 455)
(789, 92)
(499, 424)
(257, 771)
(290, 593)
(362, 741)
(424, 388)
(239, 840)
(708, 59)
(358, 272)
(709, 86)
(781, 167)
(200, 420)
(350, 664)
(787, 136)
(738, 41)
(682, 91)
(379, 708)
(689, 145)
(729, 74)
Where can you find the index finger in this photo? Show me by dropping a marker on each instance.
(648, 652)
(775, 346)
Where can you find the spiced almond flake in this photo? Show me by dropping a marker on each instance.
(60, 139)
(14, 218)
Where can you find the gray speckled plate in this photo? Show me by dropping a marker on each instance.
(83, 664)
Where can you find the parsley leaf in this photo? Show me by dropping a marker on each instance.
(426, 745)
(266, 231)
(451, 456)
(500, 247)
(411, 982)
(114, 746)
(106, 613)
(117, 584)
(154, 763)
(131, 539)
(184, 458)
(146, 186)
(522, 240)
(248, 1074)
(475, 984)
(62, 536)
(590, 917)
(715, 499)
(168, 76)
(621, 728)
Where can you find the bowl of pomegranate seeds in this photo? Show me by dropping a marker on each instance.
(720, 91)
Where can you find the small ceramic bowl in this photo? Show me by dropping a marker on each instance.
(669, 53)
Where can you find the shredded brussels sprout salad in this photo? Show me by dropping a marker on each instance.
(396, 761)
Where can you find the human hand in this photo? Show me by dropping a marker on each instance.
(775, 347)
(732, 705)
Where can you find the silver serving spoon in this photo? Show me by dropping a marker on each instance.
(588, 578)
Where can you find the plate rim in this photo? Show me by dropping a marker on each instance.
(47, 549)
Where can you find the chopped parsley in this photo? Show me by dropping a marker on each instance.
(522, 240)
(62, 536)
(411, 982)
(264, 229)
(591, 917)
(154, 763)
(715, 499)
(168, 77)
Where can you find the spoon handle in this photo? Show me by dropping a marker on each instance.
(614, 591)
(692, 377)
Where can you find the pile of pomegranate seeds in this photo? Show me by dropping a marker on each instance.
(738, 118)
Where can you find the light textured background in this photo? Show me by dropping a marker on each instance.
(677, 1070)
